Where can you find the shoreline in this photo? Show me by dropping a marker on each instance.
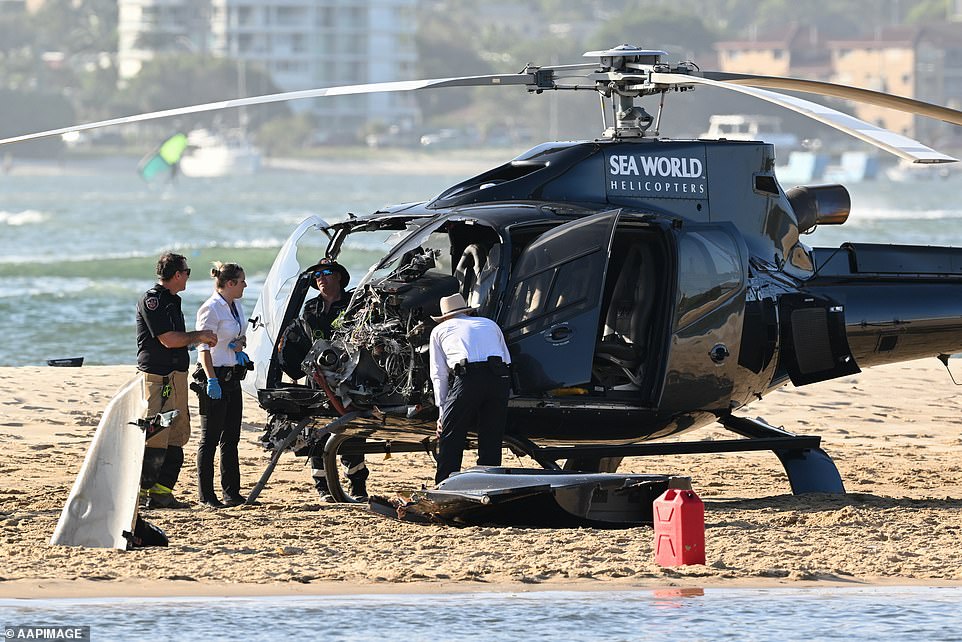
(30, 590)
(893, 432)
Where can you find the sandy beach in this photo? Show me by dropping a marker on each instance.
(894, 433)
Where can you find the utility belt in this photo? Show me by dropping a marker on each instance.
(225, 374)
(494, 365)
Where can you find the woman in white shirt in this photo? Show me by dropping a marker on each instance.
(220, 402)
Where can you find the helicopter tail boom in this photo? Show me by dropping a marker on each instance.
(901, 302)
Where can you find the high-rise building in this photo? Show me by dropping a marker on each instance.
(302, 44)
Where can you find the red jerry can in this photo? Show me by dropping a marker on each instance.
(679, 528)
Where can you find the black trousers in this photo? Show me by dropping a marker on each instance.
(477, 402)
(220, 422)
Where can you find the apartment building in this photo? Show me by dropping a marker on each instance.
(922, 62)
(302, 44)
(795, 50)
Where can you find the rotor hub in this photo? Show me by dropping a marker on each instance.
(624, 75)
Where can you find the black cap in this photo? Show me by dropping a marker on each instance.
(334, 265)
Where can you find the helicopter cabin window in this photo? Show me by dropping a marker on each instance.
(457, 256)
(709, 270)
(553, 280)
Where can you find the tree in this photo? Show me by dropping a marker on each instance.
(27, 111)
(175, 80)
(285, 134)
(445, 49)
(683, 35)
(75, 27)
(928, 11)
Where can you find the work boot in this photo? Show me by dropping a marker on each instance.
(160, 496)
(357, 473)
(320, 481)
(359, 489)
(324, 493)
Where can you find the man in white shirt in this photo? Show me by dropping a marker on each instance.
(469, 370)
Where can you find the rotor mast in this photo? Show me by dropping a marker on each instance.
(625, 75)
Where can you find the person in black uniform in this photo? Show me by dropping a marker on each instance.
(162, 341)
(321, 314)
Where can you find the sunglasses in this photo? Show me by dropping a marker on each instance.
(186, 271)
(325, 272)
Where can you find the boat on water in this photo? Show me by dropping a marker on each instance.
(750, 127)
(908, 172)
(806, 161)
(843, 167)
(210, 154)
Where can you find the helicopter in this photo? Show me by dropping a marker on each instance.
(646, 286)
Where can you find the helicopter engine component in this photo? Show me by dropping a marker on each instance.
(378, 357)
(819, 205)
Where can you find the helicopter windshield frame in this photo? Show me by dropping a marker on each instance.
(417, 238)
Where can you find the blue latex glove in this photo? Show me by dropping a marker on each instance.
(243, 359)
(213, 388)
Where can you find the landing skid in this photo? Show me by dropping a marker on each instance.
(295, 433)
(333, 449)
(809, 468)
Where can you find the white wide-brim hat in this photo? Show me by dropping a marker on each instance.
(452, 306)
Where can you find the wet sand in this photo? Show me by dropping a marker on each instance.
(894, 433)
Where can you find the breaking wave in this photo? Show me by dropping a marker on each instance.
(26, 217)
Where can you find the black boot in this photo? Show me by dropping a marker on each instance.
(160, 496)
(359, 484)
(356, 471)
(323, 492)
(320, 481)
(205, 482)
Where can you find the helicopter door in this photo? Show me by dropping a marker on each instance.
(814, 342)
(702, 365)
(554, 301)
(267, 319)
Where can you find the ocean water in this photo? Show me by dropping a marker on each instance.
(851, 614)
(76, 251)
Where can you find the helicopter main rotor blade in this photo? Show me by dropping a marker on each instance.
(891, 142)
(858, 94)
(537, 78)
